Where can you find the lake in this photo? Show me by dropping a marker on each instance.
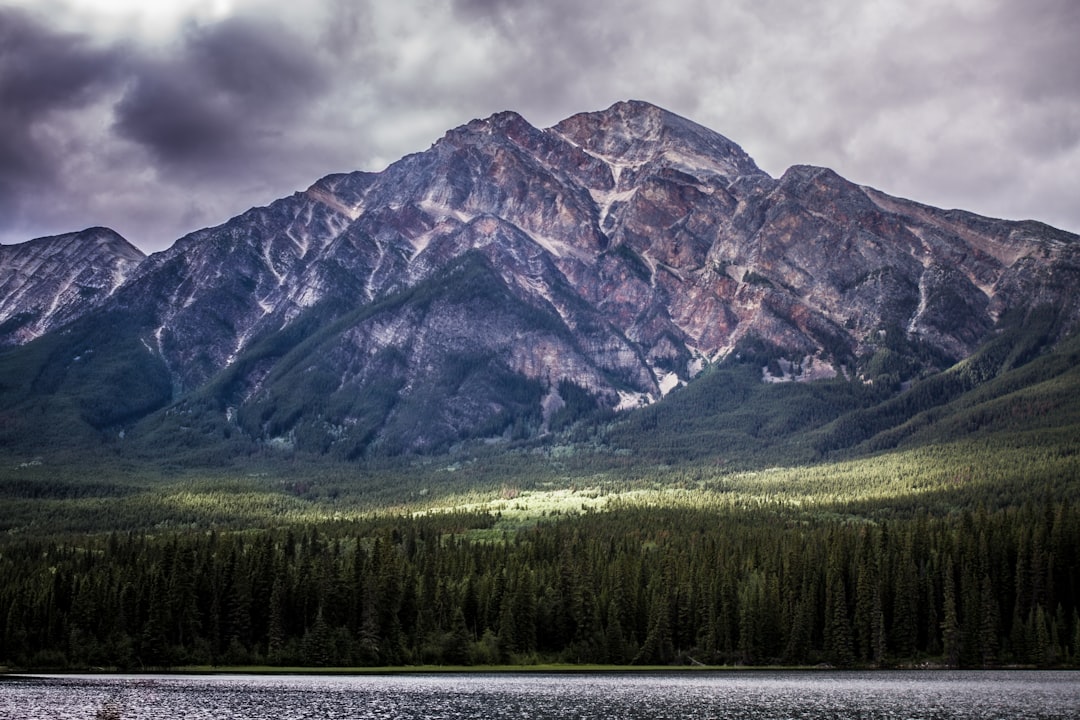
(750, 695)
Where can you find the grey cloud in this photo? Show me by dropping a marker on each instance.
(493, 11)
(41, 70)
(231, 89)
(1042, 51)
(348, 29)
(973, 104)
(42, 73)
(563, 56)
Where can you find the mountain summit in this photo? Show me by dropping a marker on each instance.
(47, 282)
(509, 276)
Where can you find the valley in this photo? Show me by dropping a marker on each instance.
(604, 393)
(567, 551)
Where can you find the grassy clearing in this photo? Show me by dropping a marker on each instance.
(935, 478)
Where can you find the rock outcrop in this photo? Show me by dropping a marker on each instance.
(50, 281)
(618, 252)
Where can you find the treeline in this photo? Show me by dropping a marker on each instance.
(635, 585)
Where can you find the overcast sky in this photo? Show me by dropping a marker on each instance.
(158, 118)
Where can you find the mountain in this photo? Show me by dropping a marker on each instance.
(50, 281)
(510, 280)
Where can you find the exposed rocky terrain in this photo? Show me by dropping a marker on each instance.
(471, 289)
(47, 282)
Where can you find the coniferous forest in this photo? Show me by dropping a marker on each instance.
(689, 533)
(636, 585)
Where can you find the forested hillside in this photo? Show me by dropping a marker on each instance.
(636, 585)
(709, 528)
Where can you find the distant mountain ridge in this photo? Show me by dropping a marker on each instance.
(509, 274)
(47, 282)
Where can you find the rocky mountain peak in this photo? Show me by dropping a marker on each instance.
(501, 122)
(475, 288)
(635, 133)
(110, 242)
(495, 130)
(49, 281)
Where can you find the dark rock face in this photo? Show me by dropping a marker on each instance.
(452, 294)
(50, 281)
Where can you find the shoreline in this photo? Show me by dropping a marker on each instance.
(542, 669)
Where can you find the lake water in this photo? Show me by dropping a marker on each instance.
(750, 695)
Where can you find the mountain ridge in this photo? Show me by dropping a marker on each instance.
(49, 281)
(617, 254)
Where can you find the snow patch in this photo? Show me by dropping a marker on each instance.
(439, 211)
(651, 262)
(605, 199)
(271, 267)
(632, 400)
(556, 247)
(669, 382)
(551, 404)
(243, 338)
(118, 277)
(308, 297)
(913, 324)
(696, 364)
(537, 286)
(446, 220)
(420, 242)
(369, 284)
(302, 241)
(698, 164)
(352, 212)
(735, 272)
(615, 165)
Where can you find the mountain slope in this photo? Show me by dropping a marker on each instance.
(50, 281)
(481, 287)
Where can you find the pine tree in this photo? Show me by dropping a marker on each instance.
(950, 625)
(869, 611)
(838, 642)
(154, 643)
(904, 633)
(614, 640)
(317, 646)
(388, 572)
(275, 640)
(657, 649)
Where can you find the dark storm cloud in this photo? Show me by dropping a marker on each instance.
(973, 105)
(348, 30)
(42, 72)
(157, 123)
(231, 90)
(157, 137)
(562, 56)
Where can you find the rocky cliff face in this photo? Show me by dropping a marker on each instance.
(50, 281)
(465, 289)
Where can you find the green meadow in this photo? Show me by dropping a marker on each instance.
(737, 523)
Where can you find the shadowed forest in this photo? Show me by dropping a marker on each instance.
(630, 585)
(716, 528)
